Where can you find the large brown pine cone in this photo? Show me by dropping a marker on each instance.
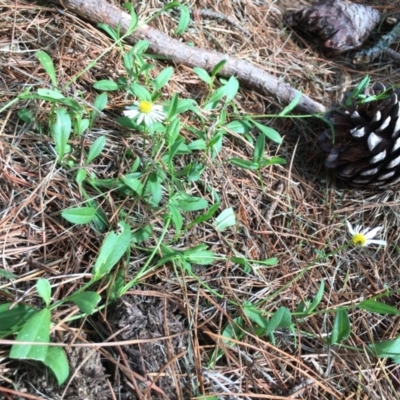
(364, 148)
(340, 24)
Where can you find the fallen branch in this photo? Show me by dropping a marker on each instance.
(97, 11)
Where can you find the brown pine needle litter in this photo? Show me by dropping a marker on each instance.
(167, 336)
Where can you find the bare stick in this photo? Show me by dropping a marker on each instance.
(367, 56)
(97, 11)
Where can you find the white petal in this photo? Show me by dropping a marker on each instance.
(372, 233)
(350, 228)
(141, 117)
(378, 242)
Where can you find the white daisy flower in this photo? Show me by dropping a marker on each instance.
(364, 237)
(145, 111)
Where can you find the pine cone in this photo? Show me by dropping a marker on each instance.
(365, 146)
(340, 24)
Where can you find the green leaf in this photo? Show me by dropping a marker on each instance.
(48, 94)
(218, 67)
(61, 130)
(86, 301)
(198, 144)
(232, 88)
(225, 220)
(293, 104)
(142, 234)
(79, 215)
(203, 75)
(233, 330)
(36, 329)
(100, 103)
(378, 308)
(192, 203)
(140, 91)
(162, 78)
(241, 127)
(134, 18)
(111, 32)
(106, 85)
(153, 186)
(172, 107)
(282, 318)
(245, 164)
(96, 148)
(113, 248)
(135, 184)
(57, 361)
(13, 316)
(26, 115)
(269, 132)
(254, 315)
(341, 327)
(198, 255)
(259, 149)
(206, 216)
(43, 287)
(48, 65)
(387, 349)
(183, 20)
(7, 275)
(176, 218)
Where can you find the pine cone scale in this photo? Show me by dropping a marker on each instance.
(366, 146)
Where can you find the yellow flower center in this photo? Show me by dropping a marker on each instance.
(145, 107)
(358, 239)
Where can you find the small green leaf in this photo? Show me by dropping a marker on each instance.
(378, 307)
(192, 203)
(96, 148)
(162, 78)
(26, 115)
(183, 20)
(140, 91)
(176, 218)
(203, 75)
(86, 301)
(79, 215)
(48, 65)
(259, 149)
(13, 316)
(269, 132)
(36, 329)
(113, 248)
(142, 234)
(218, 67)
(341, 327)
(106, 85)
(43, 287)
(198, 255)
(293, 104)
(245, 164)
(232, 88)
(206, 216)
(225, 220)
(57, 361)
(61, 130)
(387, 349)
(241, 127)
(48, 94)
